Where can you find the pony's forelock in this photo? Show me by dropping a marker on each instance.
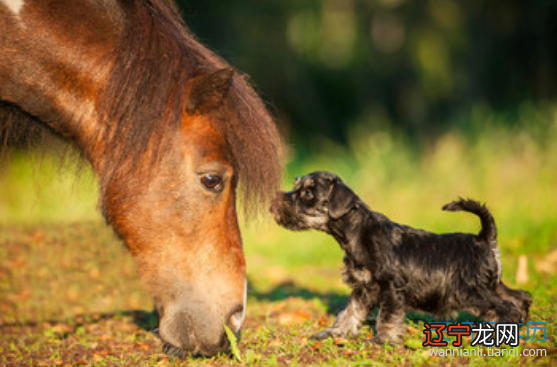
(154, 60)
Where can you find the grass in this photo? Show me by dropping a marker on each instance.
(69, 294)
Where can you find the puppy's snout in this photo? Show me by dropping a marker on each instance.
(277, 202)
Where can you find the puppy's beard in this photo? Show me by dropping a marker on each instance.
(290, 219)
(292, 223)
(302, 223)
(316, 222)
(286, 217)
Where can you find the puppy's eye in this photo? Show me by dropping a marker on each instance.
(307, 194)
(212, 182)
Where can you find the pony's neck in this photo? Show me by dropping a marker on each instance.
(59, 62)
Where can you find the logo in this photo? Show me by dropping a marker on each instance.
(487, 334)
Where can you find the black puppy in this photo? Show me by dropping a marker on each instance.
(399, 268)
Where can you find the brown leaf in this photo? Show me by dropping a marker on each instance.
(316, 346)
(293, 318)
(62, 328)
(143, 346)
(339, 342)
(276, 307)
(323, 321)
(94, 273)
(23, 295)
(36, 236)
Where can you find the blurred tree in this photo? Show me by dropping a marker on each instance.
(326, 64)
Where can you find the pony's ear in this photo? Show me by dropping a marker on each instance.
(207, 90)
(341, 200)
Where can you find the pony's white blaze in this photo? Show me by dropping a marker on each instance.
(14, 5)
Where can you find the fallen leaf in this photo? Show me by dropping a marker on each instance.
(340, 342)
(143, 346)
(316, 346)
(276, 307)
(163, 363)
(36, 236)
(323, 321)
(62, 329)
(94, 273)
(293, 318)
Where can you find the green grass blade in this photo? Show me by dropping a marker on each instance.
(233, 343)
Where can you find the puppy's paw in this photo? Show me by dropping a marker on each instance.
(383, 340)
(325, 334)
(334, 333)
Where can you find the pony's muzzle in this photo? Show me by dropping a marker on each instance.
(183, 334)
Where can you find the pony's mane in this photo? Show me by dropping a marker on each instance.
(155, 58)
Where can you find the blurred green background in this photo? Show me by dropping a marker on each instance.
(327, 65)
(412, 103)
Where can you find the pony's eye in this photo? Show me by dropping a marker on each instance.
(212, 182)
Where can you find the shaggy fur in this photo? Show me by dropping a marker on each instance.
(398, 268)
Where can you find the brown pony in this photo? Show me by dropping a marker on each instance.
(171, 130)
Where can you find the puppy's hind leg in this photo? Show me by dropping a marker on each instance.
(521, 299)
(350, 320)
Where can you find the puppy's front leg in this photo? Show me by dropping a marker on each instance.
(390, 320)
(350, 320)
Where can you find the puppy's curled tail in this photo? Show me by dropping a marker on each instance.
(489, 229)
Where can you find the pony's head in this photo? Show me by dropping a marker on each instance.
(183, 135)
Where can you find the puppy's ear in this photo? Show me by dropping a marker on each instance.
(341, 200)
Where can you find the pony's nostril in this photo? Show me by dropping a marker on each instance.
(236, 319)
